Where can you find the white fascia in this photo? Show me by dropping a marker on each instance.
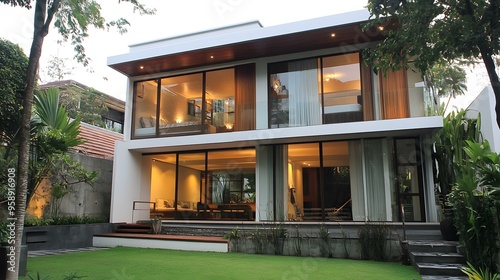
(228, 36)
(329, 132)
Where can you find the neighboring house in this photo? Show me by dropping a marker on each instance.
(272, 123)
(95, 154)
(484, 104)
(112, 118)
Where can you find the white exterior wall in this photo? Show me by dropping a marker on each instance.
(485, 104)
(415, 94)
(125, 191)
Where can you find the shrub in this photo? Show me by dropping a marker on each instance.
(373, 239)
(64, 220)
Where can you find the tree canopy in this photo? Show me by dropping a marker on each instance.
(13, 65)
(72, 20)
(426, 31)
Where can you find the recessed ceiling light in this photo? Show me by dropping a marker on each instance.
(142, 67)
(333, 35)
(380, 28)
(212, 56)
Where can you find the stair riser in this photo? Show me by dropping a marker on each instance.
(437, 259)
(431, 249)
(440, 271)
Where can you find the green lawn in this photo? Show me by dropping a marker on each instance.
(136, 264)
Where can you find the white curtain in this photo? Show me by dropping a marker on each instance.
(375, 180)
(303, 97)
(357, 182)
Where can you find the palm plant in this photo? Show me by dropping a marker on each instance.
(476, 204)
(446, 79)
(448, 147)
(54, 135)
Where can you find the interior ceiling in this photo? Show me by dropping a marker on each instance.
(278, 45)
(217, 160)
(334, 153)
(219, 85)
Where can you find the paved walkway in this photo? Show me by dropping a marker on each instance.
(61, 251)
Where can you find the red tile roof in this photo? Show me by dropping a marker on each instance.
(99, 142)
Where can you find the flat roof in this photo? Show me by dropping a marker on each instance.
(243, 41)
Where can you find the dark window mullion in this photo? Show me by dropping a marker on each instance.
(322, 92)
(176, 202)
(158, 100)
(321, 182)
(203, 102)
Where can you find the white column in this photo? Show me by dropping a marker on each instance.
(131, 180)
(264, 180)
(261, 96)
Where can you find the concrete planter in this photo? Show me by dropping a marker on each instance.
(313, 247)
(63, 236)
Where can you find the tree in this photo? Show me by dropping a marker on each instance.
(13, 65)
(57, 69)
(426, 31)
(88, 104)
(72, 20)
(446, 80)
(55, 134)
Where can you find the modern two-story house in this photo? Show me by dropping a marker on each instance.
(284, 122)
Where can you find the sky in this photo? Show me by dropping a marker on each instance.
(172, 18)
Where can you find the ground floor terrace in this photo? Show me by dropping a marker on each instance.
(303, 179)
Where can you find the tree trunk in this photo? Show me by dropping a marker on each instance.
(492, 74)
(24, 140)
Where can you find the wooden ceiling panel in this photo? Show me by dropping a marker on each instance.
(279, 45)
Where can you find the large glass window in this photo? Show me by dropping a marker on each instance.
(204, 185)
(219, 99)
(342, 88)
(409, 187)
(181, 104)
(316, 91)
(209, 102)
(319, 181)
(294, 93)
(145, 101)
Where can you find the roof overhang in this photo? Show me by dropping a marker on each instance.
(410, 127)
(242, 43)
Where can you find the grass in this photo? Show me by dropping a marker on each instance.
(123, 263)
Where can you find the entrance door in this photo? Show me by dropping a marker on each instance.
(409, 185)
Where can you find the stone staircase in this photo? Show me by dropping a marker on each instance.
(436, 259)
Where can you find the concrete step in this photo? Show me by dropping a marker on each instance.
(431, 246)
(429, 233)
(437, 257)
(439, 269)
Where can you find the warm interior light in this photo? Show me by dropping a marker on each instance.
(380, 28)
(178, 120)
(212, 56)
(142, 67)
(333, 35)
(229, 125)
